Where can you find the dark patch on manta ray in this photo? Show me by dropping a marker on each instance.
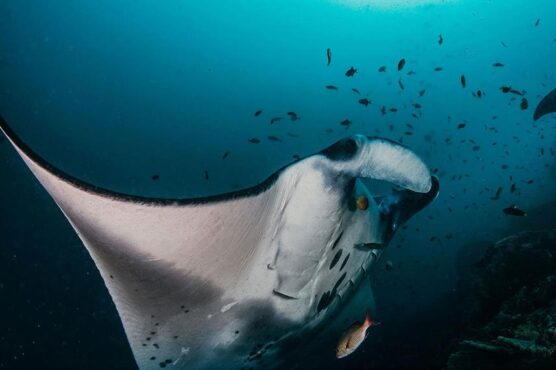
(342, 150)
(335, 259)
(345, 262)
(337, 240)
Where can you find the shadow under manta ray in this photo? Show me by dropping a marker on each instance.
(237, 280)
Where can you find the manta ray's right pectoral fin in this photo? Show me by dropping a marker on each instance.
(399, 207)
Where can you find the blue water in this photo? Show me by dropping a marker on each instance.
(115, 92)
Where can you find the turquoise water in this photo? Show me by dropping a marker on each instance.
(116, 92)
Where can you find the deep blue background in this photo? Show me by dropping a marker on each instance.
(116, 91)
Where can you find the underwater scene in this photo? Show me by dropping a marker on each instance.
(278, 184)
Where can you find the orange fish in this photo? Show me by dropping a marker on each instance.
(354, 337)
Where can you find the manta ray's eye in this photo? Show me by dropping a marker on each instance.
(341, 150)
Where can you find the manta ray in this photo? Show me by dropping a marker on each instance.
(250, 278)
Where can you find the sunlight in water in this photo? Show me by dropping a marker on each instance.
(391, 3)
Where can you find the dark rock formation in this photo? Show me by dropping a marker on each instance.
(513, 325)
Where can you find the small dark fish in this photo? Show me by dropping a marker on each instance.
(513, 188)
(329, 56)
(438, 69)
(388, 265)
(258, 113)
(513, 210)
(440, 40)
(331, 87)
(382, 69)
(461, 125)
(274, 138)
(364, 102)
(411, 73)
(206, 175)
(506, 89)
(275, 119)
(537, 22)
(383, 110)
(226, 154)
(463, 81)
(524, 104)
(417, 106)
(356, 91)
(515, 92)
(369, 246)
(394, 110)
(546, 106)
(351, 72)
(503, 44)
(155, 177)
(498, 193)
(345, 122)
(254, 140)
(401, 64)
(422, 92)
(293, 116)
(400, 83)
(498, 64)
(296, 157)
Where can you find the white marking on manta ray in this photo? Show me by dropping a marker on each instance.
(228, 306)
(168, 264)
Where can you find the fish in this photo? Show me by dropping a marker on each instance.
(226, 154)
(364, 102)
(275, 119)
(538, 21)
(438, 69)
(513, 210)
(417, 106)
(498, 193)
(254, 140)
(382, 69)
(400, 83)
(176, 262)
(440, 40)
(461, 125)
(362, 203)
(258, 113)
(206, 175)
(383, 110)
(463, 81)
(293, 116)
(356, 91)
(274, 138)
(524, 105)
(328, 56)
(351, 72)
(369, 246)
(331, 87)
(546, 106)
(393, 110)
(505, 89)
(498, 64)
(346, 122)
(155, 177)
(422, 92)
(354, 337)
(401, 64)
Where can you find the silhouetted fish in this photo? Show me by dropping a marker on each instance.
(206, 175)
(383, 110)
(351, 71)
(537, 22)
(254, 140)
(401, 64)
(345, 122)
(364, 102)
(513, 210)
(293, 116)
(356, 91)
(461, 125)
(546, 106)
(275, 119)
(498, 64)
(463, 81)
(329, 56)
(438, 69)
(498, 193)
(258, 113)
(274, 138)
(440, 40)
(506, 89)
(226, 154)
(400, 83)
(155, 177)
(382, 69)
(422, 92)
(331, 87)
(524, 104)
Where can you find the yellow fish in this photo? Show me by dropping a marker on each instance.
(354, 337)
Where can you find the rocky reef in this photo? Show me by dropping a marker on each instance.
(513, 322)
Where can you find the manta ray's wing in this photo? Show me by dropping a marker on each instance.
(546, 106)
(167, 261)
